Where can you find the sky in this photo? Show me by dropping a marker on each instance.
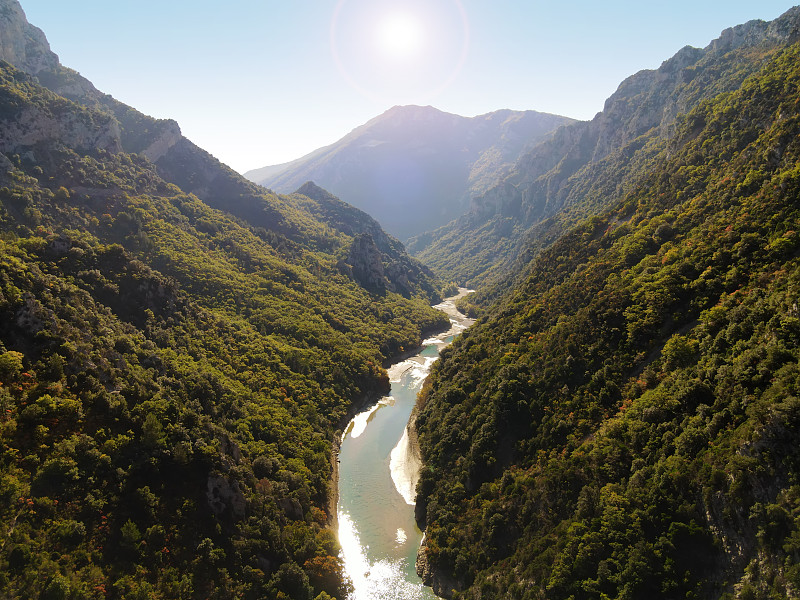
(262, 82)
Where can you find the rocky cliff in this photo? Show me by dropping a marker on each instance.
(22, 44)
(39, 128)
(564, 178)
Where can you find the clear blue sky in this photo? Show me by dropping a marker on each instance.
(259, 82)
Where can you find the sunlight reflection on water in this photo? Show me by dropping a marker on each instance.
(383, 580)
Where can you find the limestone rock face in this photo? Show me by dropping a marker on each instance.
(36, 126)
(504, 199)
(398, 275)
(170, 136)
(653, 98)
(366, 267)
(223, 495)
(22, 44)
(26, 48)
(442, 583)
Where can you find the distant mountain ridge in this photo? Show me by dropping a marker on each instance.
(414, 167)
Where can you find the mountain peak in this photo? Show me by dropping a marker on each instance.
(402, 114)
(22, 44)
(313, 191)
(411, 109)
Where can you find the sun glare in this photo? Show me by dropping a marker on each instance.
(399, 36)
(399, 51)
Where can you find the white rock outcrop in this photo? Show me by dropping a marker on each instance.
(22, 44)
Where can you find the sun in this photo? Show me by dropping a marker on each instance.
(399, 51)
(399, 36)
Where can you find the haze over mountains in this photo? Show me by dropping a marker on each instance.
(415, 168)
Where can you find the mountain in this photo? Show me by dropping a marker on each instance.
(414, 167)
(179, 350)
(589, 165)
(624, 420)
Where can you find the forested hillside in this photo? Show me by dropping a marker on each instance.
(587, 167)
(172, 376)
(624, 423)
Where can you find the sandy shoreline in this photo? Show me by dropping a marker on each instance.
(405, 464)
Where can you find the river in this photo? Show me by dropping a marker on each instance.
(377, 477)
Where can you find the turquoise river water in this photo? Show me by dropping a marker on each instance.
(377, 477)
